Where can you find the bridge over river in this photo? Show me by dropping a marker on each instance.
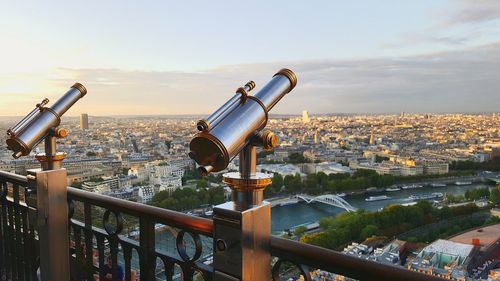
(329, 199)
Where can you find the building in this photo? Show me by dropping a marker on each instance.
(443, 258)
(146, 193)
(84, 121)
(305, 117)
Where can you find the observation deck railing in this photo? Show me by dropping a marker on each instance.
(99, 227)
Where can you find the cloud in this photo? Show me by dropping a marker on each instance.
(459, 81)
(474, 11)
(462, 23)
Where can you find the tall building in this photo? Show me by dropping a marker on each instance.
(305, 116)
(84, 121)
(372, 137)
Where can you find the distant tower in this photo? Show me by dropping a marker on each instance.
(84, 121)
(402, 114)
(316, 136)
(372, 138)
(305, 116)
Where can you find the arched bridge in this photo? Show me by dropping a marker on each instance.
(330, 199)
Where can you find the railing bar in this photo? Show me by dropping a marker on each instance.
(171, 218)
(26, 244)
(100, 247)
(19, 239)
(127, 256)
(12, 254)
(79, 256)
(32, 242)
(2, 237)
(13, 178)
(113, 248)
(147, 248)
(89, 255)
(188, 273)
(5, 210)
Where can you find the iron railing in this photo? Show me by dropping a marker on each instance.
(152, 256)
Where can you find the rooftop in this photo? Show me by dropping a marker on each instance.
(486, 235)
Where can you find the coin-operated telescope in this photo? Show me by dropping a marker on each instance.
(237, 127)
(41, 123)
(48, 185)
(242, 227)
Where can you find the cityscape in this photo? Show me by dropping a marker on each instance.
(380, 164)
(226, 140)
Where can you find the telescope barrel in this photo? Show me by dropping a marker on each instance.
(62, 105)
(282, 83)
(221, 113)
(19, 126)
(216, 147)
(33, 131)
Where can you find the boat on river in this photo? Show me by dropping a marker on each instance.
(438, 184)
(412, 186)
(377, 198)
(434, 195)
(393, 189)
(463, 183)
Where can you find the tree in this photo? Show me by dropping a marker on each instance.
(203, 183)
(277, 183)
(369, 231)
(168, 143)
(296, 158)
(299, 231)
(495, 195)
(91, 154)
(379, 159)
(292, 184)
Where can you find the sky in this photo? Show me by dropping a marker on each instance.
(188, 57)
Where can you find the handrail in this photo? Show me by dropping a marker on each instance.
(176, 219)
(337, 262)
(14, 178)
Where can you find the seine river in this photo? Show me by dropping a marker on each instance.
(286, 217)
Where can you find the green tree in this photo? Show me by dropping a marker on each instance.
(369, 231)
(495, 195)
(296, 158)
(202, 183)
(277, 183)
(299, 231)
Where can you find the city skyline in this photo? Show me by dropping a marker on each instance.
(431, 56)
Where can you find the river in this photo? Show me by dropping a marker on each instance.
(286, 217)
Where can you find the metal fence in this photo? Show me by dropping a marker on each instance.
(98, 230)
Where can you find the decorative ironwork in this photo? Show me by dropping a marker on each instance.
(303, 270)
(90, 245)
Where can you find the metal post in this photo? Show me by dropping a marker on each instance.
(242, 228)
(52, 213)
(52, 222)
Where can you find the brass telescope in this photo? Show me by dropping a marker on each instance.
(33, 128)
(242, 227)
(235, 124)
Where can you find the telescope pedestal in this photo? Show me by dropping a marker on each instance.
(242, 228)
(52, 212)
(52, 223)
(241, 242)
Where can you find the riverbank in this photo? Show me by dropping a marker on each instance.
(291, 215)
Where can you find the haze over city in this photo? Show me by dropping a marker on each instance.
(188, 57)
